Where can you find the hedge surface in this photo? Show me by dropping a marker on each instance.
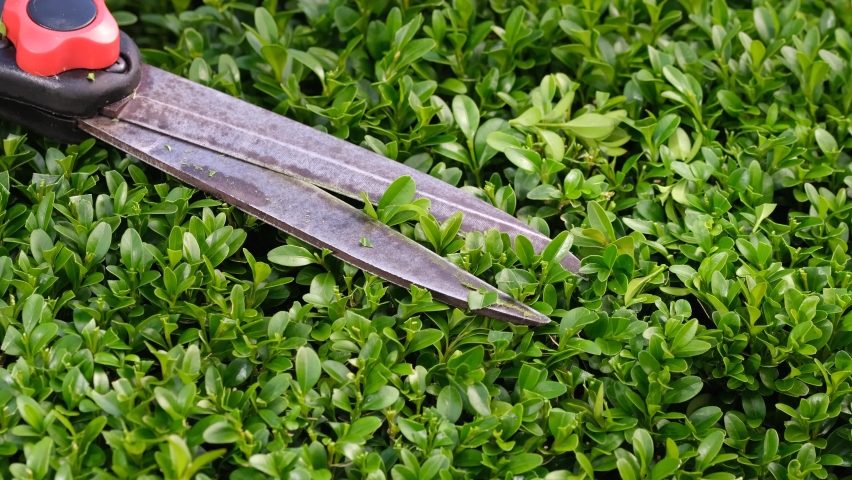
(691, 152)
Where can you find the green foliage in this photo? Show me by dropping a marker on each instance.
(691, 153)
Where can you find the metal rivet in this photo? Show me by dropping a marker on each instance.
(120, 66)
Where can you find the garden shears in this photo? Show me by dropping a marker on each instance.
(67, 72)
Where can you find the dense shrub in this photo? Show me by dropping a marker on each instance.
(694, 150)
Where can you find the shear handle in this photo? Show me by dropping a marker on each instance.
(51, 105)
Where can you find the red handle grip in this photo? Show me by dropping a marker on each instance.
(54, 36)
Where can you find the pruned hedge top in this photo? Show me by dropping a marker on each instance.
(691, 152)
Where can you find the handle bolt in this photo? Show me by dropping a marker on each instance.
(120, 66)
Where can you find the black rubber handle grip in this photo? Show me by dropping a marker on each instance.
(50, 106)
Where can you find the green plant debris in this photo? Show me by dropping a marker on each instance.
(481, 298)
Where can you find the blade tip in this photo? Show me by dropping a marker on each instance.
(515, 312)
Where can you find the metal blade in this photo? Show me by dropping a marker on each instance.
(177, 107)
(310, 214)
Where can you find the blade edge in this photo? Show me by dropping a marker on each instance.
(256, 190)
(183, 109)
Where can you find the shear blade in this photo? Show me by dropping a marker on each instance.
(182, 109)
(310, 214)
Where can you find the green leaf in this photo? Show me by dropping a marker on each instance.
(599, 220)
(265, 24)
(683, 389)
(361, 429)
(558, 248)
(308, 368)
(762, 213)
(32, 312)
(502, 141)
(237, 372)
(199, 72)
(432, 467)
(825, 140)
(479, 399)
(413, 432)
(98, 243)
(423, 339)
(754, 408)
(42, 335)
(529, 118)
(384, 398)
(132, 251)
(400, 192)
(593, 126)
(525, 251)
(38, 457)
(765, 24)
(466, 114)
(277, 57)
(665, 468)
(13, 342)
(555, 145)
(479, 299)
(309, 61)
(453, 151)
(627, 465)
(31, 412)
(708, 449)
(168, 402)
(523, 463)
(524, 159)
(124, 18)
(221, 432)
(730, 102)
(414, 51)
(191, 250)
(550, 390)
(275, 387)
(40, 242)
(450, 403)
(664, 129)
(291, 256)
(643, 446)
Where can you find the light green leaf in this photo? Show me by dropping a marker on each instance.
(599, 220)
(308, 368)
(593, 126)
(466, 114)
(400, 192)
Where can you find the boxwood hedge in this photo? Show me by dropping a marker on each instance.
(691, 152)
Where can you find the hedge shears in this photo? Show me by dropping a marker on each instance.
(67, 72)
